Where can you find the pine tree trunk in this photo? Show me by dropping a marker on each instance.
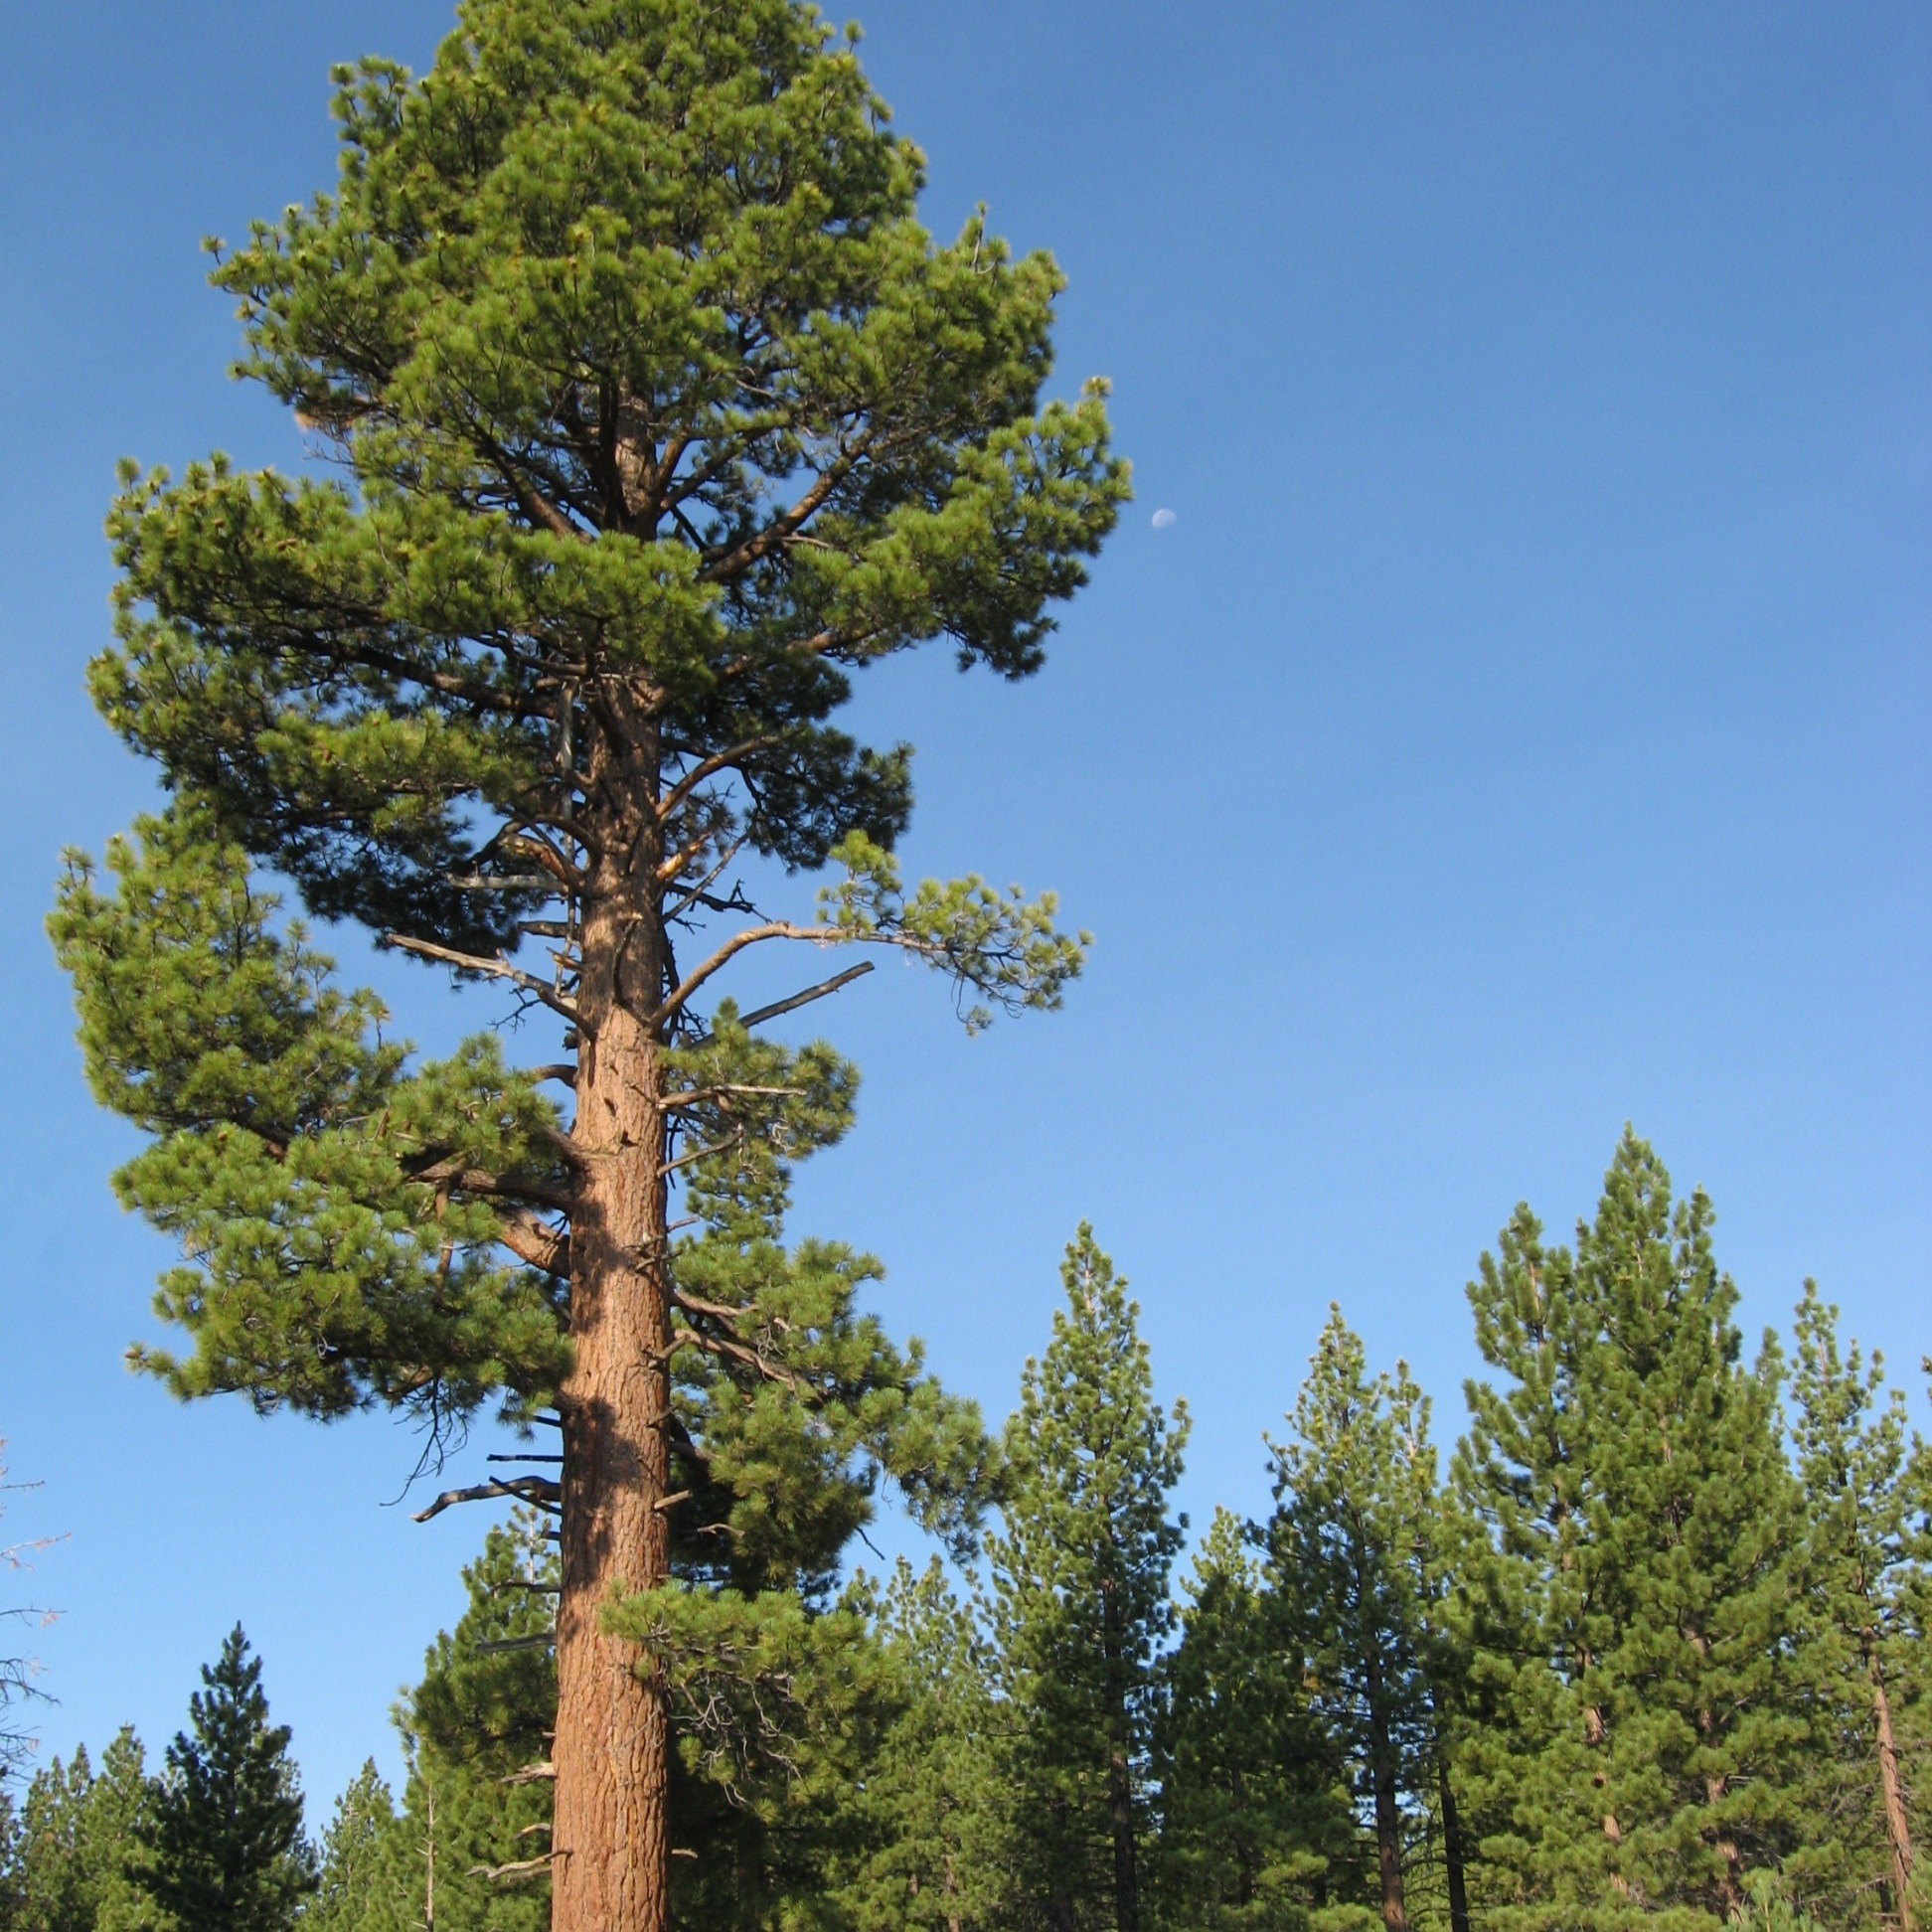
(1388, 1817)
(1898, 1832)
(1120, 1778)
(1121, 1808)
(1452, 1849)
(612, 1752)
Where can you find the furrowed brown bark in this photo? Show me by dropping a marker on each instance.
(611, 1842)
(1898, 1833)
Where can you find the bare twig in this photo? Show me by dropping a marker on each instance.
(498, 968)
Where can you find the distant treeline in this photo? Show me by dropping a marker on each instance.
(1645, 1650)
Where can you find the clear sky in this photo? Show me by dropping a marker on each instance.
(1522, 726)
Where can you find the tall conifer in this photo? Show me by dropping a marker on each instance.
(1081, 1605)
(223, 1838)
(1352, 1543)
(1639, 1613)
(658, 417)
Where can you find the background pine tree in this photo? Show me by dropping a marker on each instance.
(1256, 1820)
(1081, 1605)
(473, 1831)
(353, 1858)
(1351, 1546)
(940, 1830)
(223, 1836)
(52, 1884)
(1862, 1645)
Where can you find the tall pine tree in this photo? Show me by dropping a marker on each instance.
(1081, 1605)
(224, 1843)
(1639, 1610)
(1351, 1544)
(657, 417)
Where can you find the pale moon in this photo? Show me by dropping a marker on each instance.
(1164, 520)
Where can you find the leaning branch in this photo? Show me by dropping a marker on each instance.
(710, 768)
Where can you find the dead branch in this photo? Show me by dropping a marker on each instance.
(797, 1000)
(539, 1490)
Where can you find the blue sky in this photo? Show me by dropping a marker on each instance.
(1521, 727)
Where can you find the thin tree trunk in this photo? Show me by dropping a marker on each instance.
(1120, 1809)
(1120, 1776)
(1452, 1847)
(1898, 1832)
(611, 1839)
(1388, 1817)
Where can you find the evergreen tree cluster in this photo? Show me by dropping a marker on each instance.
(1647, 1649)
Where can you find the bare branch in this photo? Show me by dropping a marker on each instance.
(777, 532)
(729, 1351)
(539, 1490)
(516, 1868)
(797, 1000)
(750, 936)
(704, 1153)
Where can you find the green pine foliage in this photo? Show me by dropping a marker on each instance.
(1351, 1546)
(470, 1846)
(584, 301)
(350, 1861)
(70, 1857)
(1080, 1603)
(1256, 1823)
(939, 1835)
(1639, 1612)
(223, 1837)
